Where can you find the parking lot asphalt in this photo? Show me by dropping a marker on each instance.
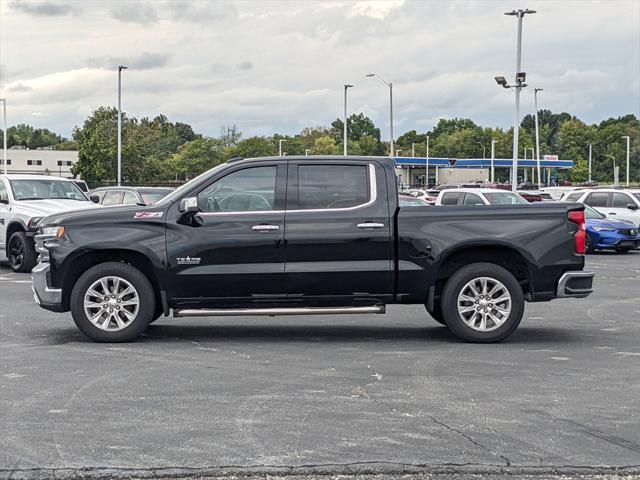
(387, 393)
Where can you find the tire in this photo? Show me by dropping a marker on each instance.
(623, 250)
(21, 253)
(588, 244)
(116, 317)
(436, 314)
(502, 317)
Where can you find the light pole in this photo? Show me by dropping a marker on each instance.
(120, 68)
(413, 149)
(4, 133)
(280, 146)
(628, 139)
(390, 85)
(589, 162)
(614, 168)
(493, 157)
(427, 164)
(344, 148)
(520, 79)
(535, 102)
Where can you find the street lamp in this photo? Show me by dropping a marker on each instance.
(520, 79)
(628, 139)
(614, 168)
(4, 133)
(280, 146)
(120, 68)
(535, 102)
(344, 148)
(427, 165)
(493, 157)
(390, 85)
(589, 162)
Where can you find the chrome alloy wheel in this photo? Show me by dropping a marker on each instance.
(484, 304)
(111, 303)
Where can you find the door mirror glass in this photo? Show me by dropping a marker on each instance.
(632, 206)
(189, 205)
(94, 198)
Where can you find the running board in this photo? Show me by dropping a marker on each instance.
(237, 312)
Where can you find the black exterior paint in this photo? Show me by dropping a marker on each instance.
(316, 258)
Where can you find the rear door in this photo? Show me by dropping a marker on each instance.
(450, 198)
(339, 245)
(601, 201)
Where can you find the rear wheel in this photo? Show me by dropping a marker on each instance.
(482, 303)
(21, 253)
(113, 302)
(623, 249)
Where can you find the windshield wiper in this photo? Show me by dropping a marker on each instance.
(32, 198)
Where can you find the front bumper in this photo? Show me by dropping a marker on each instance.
(575, 284)
(45, 296)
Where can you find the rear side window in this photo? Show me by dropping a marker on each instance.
(597, 199)
(573, 197)
(472, 199)
(621, 200)
(112, 198)
(332, 186)
(450, 198)
(130, 198)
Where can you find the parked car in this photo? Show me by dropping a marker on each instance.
(557, 192)
(479, 196)
(24, 201)
(411, 201)
(608, 234)
(613, 203)
(333, 240)
(129, 195)
(421, 194)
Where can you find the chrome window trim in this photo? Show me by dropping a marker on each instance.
(373, 195)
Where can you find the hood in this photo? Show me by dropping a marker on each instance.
(102, 214)
(43, 208)
(608, 222)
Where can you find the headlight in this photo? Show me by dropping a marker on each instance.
(57, 231)
(604, 229)
(33, 223)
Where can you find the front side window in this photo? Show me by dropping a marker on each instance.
(46, 189)
(592, 214)
(332, 186)
(597, 199)
(450, 198)
(247, 190)
(112, 198)
(621, 200)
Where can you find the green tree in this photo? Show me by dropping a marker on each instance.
(254, 147)
(197, 156)
(325, 146)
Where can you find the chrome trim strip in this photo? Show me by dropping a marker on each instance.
(236, 312)
(373, 195)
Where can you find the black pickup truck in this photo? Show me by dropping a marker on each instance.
(306, 235)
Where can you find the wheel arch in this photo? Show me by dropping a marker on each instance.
(13, 227)
(89, 258)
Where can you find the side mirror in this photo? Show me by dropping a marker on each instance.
(94, 198)
(4, 200)
(189, 205)
(632, 206)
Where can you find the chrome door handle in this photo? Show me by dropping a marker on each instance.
(265, 228)
(370, 225)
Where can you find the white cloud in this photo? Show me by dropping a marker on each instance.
(278, 66)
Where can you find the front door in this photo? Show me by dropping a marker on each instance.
(4, 213)
(339, 244)
(620, 207)
(233, 249)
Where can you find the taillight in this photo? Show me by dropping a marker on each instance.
(577, 217)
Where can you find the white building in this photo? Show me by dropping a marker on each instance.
(39, 162)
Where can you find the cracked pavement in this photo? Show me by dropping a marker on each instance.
(326, 394)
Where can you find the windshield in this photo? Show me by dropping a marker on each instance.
(505, 198)
(178, 192)
(41, 189)
(592, 213)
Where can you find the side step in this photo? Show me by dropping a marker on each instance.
(237, 312)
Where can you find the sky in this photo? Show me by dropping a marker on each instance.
(278, 67)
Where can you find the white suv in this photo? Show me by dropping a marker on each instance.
(24, 201)
(613, 203)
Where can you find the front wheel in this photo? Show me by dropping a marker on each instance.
(21, 253)
(482, 303)
(113, 302)
(623, 249)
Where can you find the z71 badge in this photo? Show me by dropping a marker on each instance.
(188, 260)
(140, 215)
